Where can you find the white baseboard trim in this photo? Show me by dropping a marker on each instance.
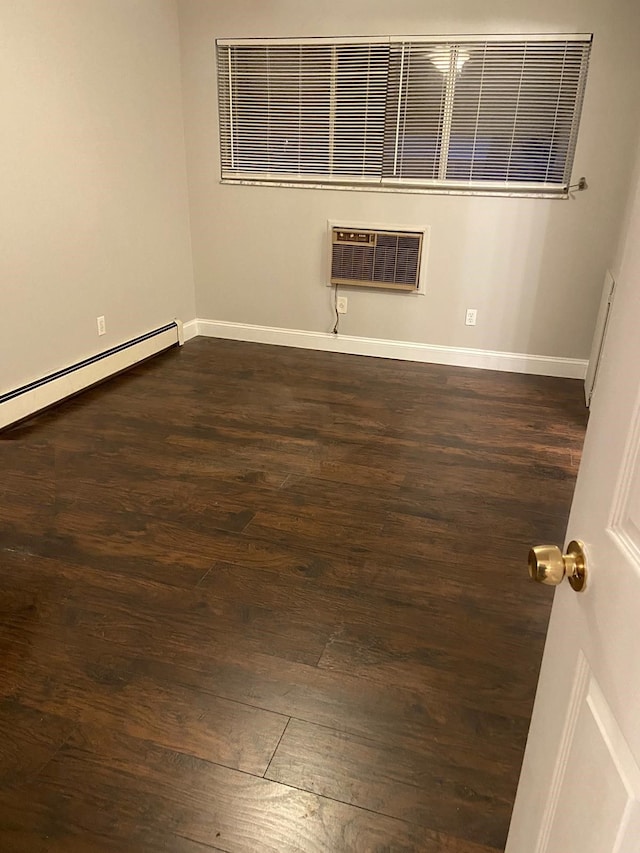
(31, 398)
(512, 362)
(189, 330)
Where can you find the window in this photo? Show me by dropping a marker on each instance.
(496, 114)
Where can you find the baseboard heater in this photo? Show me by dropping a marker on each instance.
(38, 395)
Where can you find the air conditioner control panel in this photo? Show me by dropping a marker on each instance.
(355, 237)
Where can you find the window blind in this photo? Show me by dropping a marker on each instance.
(303, 110)
(464, 113)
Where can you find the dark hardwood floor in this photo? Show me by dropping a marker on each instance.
(265, 600)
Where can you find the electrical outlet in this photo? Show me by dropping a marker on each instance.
(471, 316)
(341, 304)
(102, 328)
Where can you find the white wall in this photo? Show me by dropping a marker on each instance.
(93, 197)
(533, 268)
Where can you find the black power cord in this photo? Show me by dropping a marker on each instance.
(335, 307)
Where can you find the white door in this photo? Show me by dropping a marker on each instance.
(579, 791)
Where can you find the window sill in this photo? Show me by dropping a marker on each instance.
(494, 192)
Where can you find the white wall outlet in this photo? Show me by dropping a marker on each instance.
(341, 304)
(102, 328)
(471, 316)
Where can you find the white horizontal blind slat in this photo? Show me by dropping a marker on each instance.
(315, 40)
(482, 112)
(312, 41)
(513, 114)
(303, 109)
(509, 37)
(415, 116)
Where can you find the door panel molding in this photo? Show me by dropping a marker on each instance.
(624, 525)
(578, 695)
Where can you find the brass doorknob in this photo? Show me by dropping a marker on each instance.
(547, 564)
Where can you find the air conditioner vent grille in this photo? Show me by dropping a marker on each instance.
(374, 258)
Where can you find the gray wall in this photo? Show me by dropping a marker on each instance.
(93, 201)
(94, 213)
(533, 268)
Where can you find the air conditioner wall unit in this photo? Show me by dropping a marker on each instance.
(380, 257)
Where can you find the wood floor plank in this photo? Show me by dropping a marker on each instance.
(97, 604)
(97, 684)
(237, 560)
(37, 819)
(404, 717)
(232, 707)
(448, 701)
(395, 661)
(207, 804)
(407, 784)
(28, 740)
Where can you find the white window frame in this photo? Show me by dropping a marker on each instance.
(396, 182)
